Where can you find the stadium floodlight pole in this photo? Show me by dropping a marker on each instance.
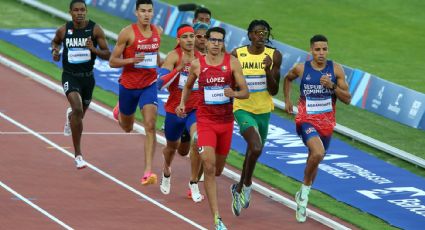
(187, 7)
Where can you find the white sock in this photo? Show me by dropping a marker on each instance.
(305, 190)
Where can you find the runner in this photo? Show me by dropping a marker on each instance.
(218, 74)
(79, 39)
(136, 51)
(261, 68)
(175, 71)
(322, 83)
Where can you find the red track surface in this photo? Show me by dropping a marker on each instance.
(85, 199)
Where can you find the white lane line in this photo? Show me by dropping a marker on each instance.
(102, 172)
(34, 206)
(61, 133)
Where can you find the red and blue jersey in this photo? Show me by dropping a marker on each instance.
(316, 104)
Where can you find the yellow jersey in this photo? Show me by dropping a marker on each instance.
(259, 101)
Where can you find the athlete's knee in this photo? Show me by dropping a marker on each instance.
(256, 149)
(127, 128)
(77, 113)
(316, 156)
(209, 167)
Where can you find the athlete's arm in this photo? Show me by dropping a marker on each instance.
(243, 92)
(116, 60)
(293, 74)
(103, 51)
(341, 87)
(273, 73)
(57, 41)
(234, 53)
(195, 69)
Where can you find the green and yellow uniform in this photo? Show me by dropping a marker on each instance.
(254, 111)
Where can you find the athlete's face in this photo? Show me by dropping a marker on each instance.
(215, 43)
(202, 17)
(78, 12)
(144, 13)
(259, 35)
(187, 41)
(319, 50)
(200, 40)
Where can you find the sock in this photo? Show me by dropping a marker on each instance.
(305, 190)
(193, 182)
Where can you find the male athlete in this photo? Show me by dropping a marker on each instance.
(322, 83)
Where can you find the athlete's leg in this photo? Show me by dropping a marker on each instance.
(253, 152)
(208, 157)
(76, 119)
(316, 152)
(149, 112)
(184, 146)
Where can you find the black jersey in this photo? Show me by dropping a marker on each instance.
(76, 56)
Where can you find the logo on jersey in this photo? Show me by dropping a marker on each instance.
(205, 69)
(224, 68)
(308, 78)
(70, 31)
(155, 39)
(201, 149)
(65, 87)
(310, 130)
(243, 54)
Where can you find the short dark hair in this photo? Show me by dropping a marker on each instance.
(138, 2)
(201, 10)
(71, 4)
(215, 29)
(318, 38)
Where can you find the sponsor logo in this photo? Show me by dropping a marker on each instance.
(415, 109)
(243, 54)
(205, 69)
(308, 78)
(70, 31)
(395, 107)
(65, 87)
(378, 100)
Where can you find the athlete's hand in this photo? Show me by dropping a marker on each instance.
(267, 61)
(289, 107)
(138, 57)
(180, 111)
(229, 92)
(55, 53)
(326, 81)
(90, 46)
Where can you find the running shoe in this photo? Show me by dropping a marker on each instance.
(80, 162)
(195, 194)
(149, 178)
(236, 200)
(165, 185)
(219, 225)
(246, 196)
(67, 127)
(116, 111)
(301, 213)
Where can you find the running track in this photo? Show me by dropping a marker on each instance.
(36, 164)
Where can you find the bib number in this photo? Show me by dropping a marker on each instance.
(318, 105)
(149, 62)
(78, 55)
(214, 95)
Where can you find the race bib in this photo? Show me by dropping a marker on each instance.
(214, 95)
(318, 105)
(78, 55)
(256, 83)
(183, 80)
(149, 62)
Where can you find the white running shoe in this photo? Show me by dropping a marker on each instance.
(80, 162)
(67, 128)
(165, 185)
(195, 193)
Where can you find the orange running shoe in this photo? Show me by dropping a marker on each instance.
(116, 111)
(149, 178)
